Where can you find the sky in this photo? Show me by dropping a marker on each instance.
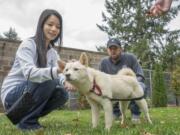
(79, 20)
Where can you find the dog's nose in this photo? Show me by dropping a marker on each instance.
(68, 76)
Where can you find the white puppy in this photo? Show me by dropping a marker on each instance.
(99, 88)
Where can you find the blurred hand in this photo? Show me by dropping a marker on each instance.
(160, 7)
(69, 86)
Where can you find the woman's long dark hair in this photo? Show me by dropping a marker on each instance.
(39, 37)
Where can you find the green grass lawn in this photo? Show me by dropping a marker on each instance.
(166, 121)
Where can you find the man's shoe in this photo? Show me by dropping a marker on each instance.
(135, 119)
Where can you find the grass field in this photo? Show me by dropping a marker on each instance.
(166, 121)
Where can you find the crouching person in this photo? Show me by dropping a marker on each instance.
(35, 67)
(117, 60)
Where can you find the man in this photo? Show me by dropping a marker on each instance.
(160, 7)
(117, 60)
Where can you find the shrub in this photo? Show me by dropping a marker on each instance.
(159, 95)
(175, 84)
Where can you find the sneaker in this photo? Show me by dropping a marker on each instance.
(135, 119)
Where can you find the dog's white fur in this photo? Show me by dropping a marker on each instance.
(123, 85)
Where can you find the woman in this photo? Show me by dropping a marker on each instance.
(36, 63)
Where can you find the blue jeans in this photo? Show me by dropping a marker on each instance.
(48, 96)
(133, 106)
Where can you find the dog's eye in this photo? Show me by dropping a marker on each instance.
(76, 69)
(66, 70)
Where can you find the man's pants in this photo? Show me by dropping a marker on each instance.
(47, 95)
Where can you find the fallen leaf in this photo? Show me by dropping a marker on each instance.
(124, 126)
(76, 120)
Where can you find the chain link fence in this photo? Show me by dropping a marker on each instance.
(73, 102)
(167, 78)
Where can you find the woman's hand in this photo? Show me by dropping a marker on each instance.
(69, 86)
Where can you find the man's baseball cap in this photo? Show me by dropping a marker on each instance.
(113, 42)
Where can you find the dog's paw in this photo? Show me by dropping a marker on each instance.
(124, 125)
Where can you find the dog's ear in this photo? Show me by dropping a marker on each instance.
(61, 64)
(84, 59)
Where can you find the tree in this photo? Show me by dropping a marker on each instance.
(171, 52)
(101, 48)
(11, 34)
(145, 36)
(175, 84)
(159, 95)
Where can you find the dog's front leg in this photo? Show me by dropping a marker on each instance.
(107, 106)
(95, 112)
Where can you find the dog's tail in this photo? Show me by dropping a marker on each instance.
(126, 71)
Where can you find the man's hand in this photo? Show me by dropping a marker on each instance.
(160, 7)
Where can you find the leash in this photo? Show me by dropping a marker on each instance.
(97, 90)
(122, 99)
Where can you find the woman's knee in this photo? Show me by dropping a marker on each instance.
(42, 91)
(61, 94)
